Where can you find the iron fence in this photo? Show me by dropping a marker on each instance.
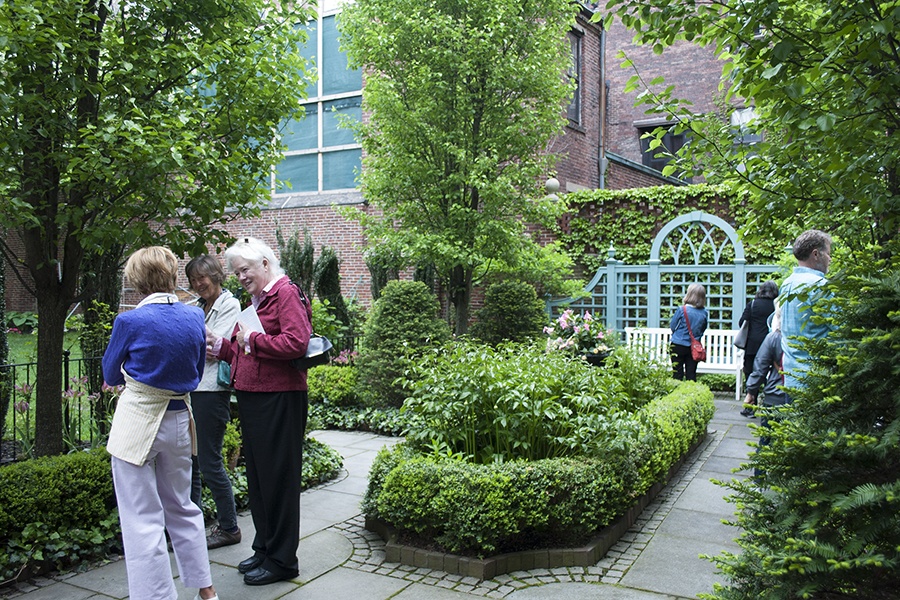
(87, 404)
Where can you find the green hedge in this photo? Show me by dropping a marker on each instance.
(486, 509)
(56, 511)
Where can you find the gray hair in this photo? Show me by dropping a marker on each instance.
(253, 251)
(810, 240)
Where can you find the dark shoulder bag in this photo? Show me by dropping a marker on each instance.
(318, 352)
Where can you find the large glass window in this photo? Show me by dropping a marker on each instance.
(671, 141)
(322, 154)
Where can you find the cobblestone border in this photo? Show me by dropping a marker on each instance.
(369, 548)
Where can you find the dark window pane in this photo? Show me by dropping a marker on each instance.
(574, 74)
(303, 134)
(300, 171)
(339, 169)
(332, 132)
(336, 77)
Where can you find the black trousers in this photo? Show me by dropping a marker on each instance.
(683, 363)
(273, 425)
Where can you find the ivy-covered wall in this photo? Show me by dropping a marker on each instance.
(630, 219)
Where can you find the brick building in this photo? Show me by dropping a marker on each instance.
(600, 148)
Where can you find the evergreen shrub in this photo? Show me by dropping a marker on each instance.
(402, 324)
(511, 312)
(335, 385)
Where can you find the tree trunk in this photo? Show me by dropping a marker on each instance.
(460, 296)
(48, 439)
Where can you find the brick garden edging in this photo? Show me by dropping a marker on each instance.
(545, 558)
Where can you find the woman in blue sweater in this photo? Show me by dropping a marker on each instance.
(695, 309)
(157, 351)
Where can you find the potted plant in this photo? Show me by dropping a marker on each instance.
(580, 334)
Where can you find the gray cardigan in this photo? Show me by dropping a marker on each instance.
(768, 367)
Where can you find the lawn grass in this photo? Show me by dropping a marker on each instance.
(23, 347)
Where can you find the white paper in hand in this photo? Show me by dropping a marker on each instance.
(250, 320)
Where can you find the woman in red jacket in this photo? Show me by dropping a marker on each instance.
(272, 402)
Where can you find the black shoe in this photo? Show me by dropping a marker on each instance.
(260, 576)
(245, 566)
(748, 412)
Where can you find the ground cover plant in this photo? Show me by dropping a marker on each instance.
(517, 448)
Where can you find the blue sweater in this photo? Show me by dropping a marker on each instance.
(161, 345)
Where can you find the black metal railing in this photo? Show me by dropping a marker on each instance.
(87, 404)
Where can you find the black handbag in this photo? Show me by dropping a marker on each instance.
(318, 353)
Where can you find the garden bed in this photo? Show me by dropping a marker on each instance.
(396, 551)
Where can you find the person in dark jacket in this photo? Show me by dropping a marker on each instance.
(272, 402)
(757, 314)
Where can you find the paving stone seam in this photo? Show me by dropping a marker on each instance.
(368, 550)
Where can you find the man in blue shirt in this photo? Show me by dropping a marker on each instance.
(799, 292)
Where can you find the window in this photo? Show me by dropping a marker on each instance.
(673, 143)
(322, 155)
(744, 127)
(574, 75)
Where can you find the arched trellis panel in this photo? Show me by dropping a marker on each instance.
(694, 247)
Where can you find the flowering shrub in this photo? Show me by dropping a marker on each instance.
(579, 334)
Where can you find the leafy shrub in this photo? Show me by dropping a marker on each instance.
(518, 402)
(56, 510)
(717, 382)
(321, 463)
(23, 322)
(512, 312)
(402, 325)
(332, 384)
(384, 421)
(483, 509)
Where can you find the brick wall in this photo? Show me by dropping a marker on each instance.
(694, 71)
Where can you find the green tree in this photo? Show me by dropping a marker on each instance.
(133, 123)
(327, 282)
(297, 259)
(822, 77)
(463, 97)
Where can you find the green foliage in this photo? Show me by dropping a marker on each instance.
(518, 402)
(511, 312)
(327, 283)
(384, 265)
(439, 155)
(232, 284)
(483, 509)
(24, 322)
(59, 491)
(5, 374)
(717, 382)
(823, 82)
(321, 463)
(384, 421)
(297, 259)
(822, 520)
(596, 219)
(402, 325)
(135, 124)
(325, 322)
(335, 385)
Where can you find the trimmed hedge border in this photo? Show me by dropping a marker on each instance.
(545, 558)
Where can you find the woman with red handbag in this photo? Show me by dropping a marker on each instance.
(688, 325)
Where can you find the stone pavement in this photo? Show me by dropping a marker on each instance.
(657, 559)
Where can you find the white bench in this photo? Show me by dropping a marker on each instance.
(721, 354)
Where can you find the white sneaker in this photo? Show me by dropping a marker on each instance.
(197, 597)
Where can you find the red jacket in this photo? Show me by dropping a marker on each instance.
(267, 368)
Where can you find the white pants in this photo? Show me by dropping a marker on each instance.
(155, 497)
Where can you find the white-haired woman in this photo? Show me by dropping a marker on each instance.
(272, 403)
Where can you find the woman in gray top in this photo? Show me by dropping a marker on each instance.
(212, 402)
